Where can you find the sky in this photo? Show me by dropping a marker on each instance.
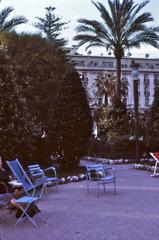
(70, 11)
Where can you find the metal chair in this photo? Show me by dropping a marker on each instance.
(100, 174)
(48, 175)
(24, 204)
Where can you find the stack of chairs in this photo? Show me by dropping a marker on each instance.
(48, 175)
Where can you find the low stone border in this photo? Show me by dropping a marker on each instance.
(109, 161)
(117, 161)
(78, 178)
(145, 167)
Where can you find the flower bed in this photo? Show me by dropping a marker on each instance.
(109, 161)
(147, 165)
(75, 178)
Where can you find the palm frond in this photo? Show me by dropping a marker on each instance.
(90, 40)
(4, 14)
(92, 26)
(94, 29)
(148, 37)
(9, 25)
(136, 25)
(105, 15)
(139, 7)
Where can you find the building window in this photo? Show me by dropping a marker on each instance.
(84, 74)
(111, 64)
(80, 63)
(74, 62)
(146, 79)
(146, 93)
(108, 64)
(142, 65)
(92, 64)
(156, 79)
(124, 75)
(151, 66)
(124, 65)
(146, 101)
(84, 79)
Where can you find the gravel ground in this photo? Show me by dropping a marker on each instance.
(70, 213)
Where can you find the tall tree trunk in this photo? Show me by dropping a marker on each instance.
(118, 75)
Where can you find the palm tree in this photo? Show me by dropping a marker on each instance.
(8, 25)
(106, 86)
(122, 28)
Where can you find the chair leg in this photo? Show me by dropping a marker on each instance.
(25, 215)
(42, 190)
(115, 187)
(56, 183)
(97, 188)
(87, 186)
(104, 186)
(155, 169)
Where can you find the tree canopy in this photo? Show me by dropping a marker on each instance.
(123, 26)
(32, 66)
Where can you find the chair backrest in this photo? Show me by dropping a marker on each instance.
(35, 171)
(20, 174)
(155, 155)
(94, 171)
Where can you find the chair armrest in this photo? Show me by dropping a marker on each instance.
(109, 170)
(5, 186)
(35, 171)
(51, 169)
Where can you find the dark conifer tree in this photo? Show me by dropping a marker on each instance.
(73, 122)
(51, 25)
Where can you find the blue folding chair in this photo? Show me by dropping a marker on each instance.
(100, 174)
(24, 204)
(23, 178)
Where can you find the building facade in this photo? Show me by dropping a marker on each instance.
(89, 66)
